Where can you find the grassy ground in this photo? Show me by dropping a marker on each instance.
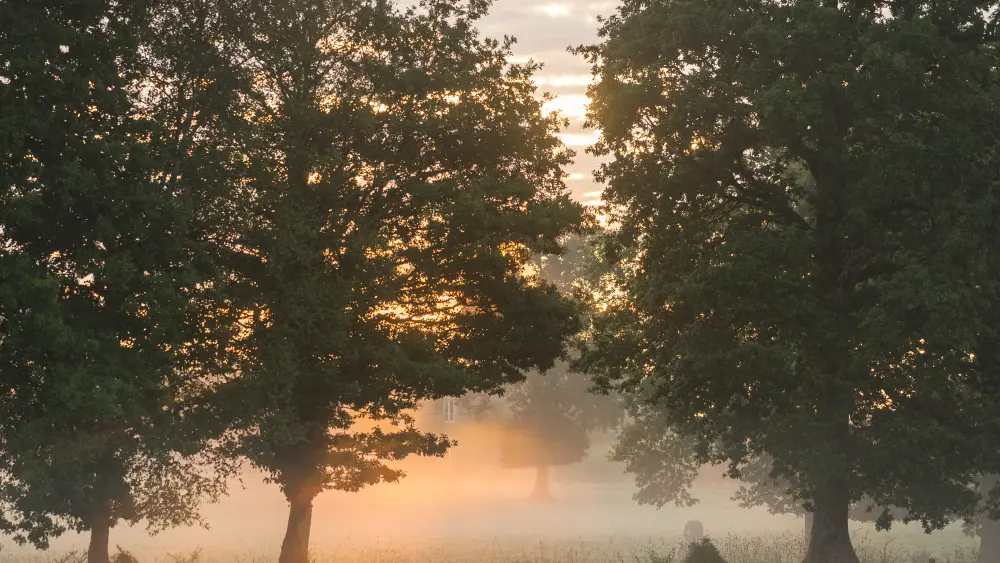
(462, 510)
(776, 548)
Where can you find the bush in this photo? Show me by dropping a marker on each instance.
(703, 552)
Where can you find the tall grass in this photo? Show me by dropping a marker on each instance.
(769, 548)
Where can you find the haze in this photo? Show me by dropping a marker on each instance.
(314, 236)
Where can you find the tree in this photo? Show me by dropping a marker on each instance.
(109, 332)
(554, 413)
(985, 525)
(802, 253)
(553, 416)
(403, 176)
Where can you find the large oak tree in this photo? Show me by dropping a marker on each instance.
(404, 175)
(804, 253)
(108, 200)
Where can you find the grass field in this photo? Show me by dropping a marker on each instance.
(449, 512)
(775, 548)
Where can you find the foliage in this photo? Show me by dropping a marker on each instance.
(760, 488)
(402, 176)
(108, 333)
(803, 261)
(665, 465)
(553, 414)
(663, 462)
(703, 552)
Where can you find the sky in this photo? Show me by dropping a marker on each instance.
(544, 31)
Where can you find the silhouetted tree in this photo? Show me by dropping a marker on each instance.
(803, 260)
(404, 176)
(553, 415)
(111, 323)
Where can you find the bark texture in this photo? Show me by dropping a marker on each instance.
(295, 546)
(100, 536)
(989, 542)
(830, 538)
(807, 529)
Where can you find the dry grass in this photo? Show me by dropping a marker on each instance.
(773, 548)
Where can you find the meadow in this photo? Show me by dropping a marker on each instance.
(464, 509)
(786, 547)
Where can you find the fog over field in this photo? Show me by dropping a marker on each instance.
(466, 501)
(285, 247)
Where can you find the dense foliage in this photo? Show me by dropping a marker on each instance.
(803, 265)
(403, 174)
(261, 229)
(109, 339)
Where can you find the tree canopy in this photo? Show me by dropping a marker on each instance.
(803, 257)
(403, 176)
(108, 333)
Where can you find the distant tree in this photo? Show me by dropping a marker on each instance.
(665, 466)
(803, 265)
(111, 325)
(553, 415)
(575, 265)
(404, 175)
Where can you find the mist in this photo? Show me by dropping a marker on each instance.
(466, 507)
(657, 281)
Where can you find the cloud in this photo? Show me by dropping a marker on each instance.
(579, 139)
(573, 106)
(544, 31)
(553, 10)
(575, 81)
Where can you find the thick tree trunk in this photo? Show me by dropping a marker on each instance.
(100, 536)
(808, 527)
(541, 491)
(989, 542)
(989, 530)
(295, 547)
(830, 538)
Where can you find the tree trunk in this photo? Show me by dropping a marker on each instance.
(989, 530)
(989, 542)
(808, 527)
(541, 491)
(100, 535)
(295, 547)
(830, 538)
